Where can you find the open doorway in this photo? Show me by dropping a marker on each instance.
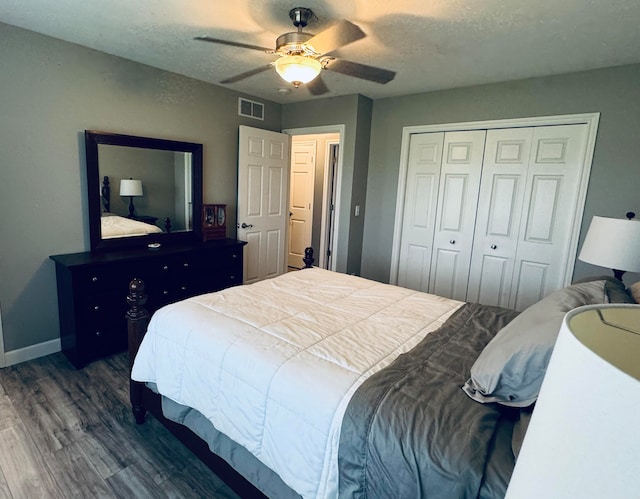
(316, 156)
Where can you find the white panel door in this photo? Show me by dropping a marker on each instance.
(303, 165)
(421, 197)
(504, 175)
(456, 212)
(551, 194)
(263, 186)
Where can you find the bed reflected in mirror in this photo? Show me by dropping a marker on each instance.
(142, 189)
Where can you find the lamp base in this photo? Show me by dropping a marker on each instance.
(131, 207)
(618, 274)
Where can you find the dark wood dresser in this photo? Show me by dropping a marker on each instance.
(92, 289)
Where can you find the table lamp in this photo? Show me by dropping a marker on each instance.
(131, 188)
(613, 243)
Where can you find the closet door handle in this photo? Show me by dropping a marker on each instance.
(453, 241)
(493, 246)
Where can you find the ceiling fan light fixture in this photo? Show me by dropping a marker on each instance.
(297, 69)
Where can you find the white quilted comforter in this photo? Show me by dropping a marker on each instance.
(274, 364)
(115, 226)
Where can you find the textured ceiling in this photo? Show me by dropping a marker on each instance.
(430, 44)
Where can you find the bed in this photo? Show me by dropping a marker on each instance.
(116, 226)
(113, 226)
(319, 384)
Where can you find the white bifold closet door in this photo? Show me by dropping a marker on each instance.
(505, 206)
(421, 200)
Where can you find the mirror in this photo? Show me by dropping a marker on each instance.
(142, 190)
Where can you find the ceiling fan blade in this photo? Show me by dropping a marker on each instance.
(363, 71)
(246, 74)
(317, 86)
(233, 44)
(340, 34)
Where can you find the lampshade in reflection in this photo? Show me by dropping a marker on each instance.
(613, 243)
(131, 188)
(297, 69)
(583, 439)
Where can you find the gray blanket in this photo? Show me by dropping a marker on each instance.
(441, 444)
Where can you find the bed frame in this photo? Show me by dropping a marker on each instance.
(145, 400)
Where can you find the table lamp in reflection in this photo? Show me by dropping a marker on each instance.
(131, 188)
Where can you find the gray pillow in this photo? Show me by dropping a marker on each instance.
(511, 367)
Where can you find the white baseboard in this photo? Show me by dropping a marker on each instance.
(31, 352)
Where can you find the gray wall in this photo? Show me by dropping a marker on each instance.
(51, 91)
(614, 186)
(353, 111)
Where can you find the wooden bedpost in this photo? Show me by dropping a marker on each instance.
(137, 322)
(308, 258)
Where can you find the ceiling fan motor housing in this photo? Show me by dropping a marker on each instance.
(294, 43)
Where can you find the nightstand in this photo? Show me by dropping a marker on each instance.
(144, 218)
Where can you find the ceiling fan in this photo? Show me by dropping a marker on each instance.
(302, 56)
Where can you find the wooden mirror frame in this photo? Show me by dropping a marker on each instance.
(95, 138)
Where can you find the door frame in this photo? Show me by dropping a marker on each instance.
(319, 130)
(309, 199)
(590, 119)
(326, 216)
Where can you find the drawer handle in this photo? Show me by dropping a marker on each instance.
(183, 288)
(185, 264)
(234, 256)
(98, 334)
(165, 292)
(166, 267)
(232, 277)
(94, 279)
(96, 307)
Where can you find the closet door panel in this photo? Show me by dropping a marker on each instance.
(456, 214)
(445, 268)
(455, 218)
(421, 195)
(504, 174)
(551, 193)
(417, 257)
(494, 279)
(531, 285)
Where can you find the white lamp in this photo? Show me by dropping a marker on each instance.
(583, 439)
(297, 69)
(131, 188)
(613, 243)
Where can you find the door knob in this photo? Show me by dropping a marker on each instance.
(246, 226)
(453, 241)
(493, 246)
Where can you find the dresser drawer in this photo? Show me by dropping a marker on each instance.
(102, 309)
(220, 272)
(101, 279)
(170, 279)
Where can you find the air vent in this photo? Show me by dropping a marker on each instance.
(250, 109)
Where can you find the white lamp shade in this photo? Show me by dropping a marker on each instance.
(297, 68)
(613, 243)
(130, 187)
(583, 439)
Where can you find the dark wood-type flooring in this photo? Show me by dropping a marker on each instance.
(70, 433)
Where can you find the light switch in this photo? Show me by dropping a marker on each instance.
(357, 213)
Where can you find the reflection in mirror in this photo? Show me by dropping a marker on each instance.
(161, 189)
(141, 188)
